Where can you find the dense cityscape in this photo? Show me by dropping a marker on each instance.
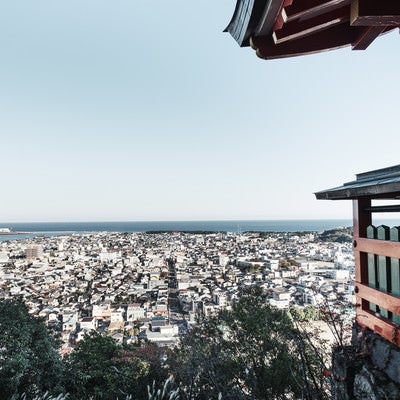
(155, 286)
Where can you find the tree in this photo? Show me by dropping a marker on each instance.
(311, 313)
(29, 357)
(99, 368)
(308, 313)
(297, 313)
(251, 352)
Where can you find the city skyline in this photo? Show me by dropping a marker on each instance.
(147, 111)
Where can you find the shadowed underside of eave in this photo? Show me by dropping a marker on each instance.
(285, 28)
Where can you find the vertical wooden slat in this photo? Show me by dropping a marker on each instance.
(383, 266)
(372, 265)
(395, 270)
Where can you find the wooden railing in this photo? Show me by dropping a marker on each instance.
(377, 283)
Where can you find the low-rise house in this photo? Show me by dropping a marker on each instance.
(117, 315)
(69, 321)
(88, 323)
(280, 298)
(314, 299)
(135, 312)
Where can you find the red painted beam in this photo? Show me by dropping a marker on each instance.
(300, 5)
(382, 299)
(287, 3)
(280, 20)
(375, 13)
(316, 10)
(367, 36)
(329, 39)
(382, 327)
(376, 246)
(297, 29)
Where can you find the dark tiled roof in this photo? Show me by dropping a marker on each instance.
(380, 183)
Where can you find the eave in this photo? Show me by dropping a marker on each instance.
(285, 28)
(378, 184)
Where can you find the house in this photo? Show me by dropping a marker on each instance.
(88, 323)
(135, 312)
(69, 321)
(280, 298)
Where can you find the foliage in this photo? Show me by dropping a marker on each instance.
(45, 396)
(251, 352)
(296, 313)
(99, 368)
(30, 363)
(165, 394)
(308, 313)
(338, 235)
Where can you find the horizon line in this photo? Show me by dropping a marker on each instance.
(178, 220)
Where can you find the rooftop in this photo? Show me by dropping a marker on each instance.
(380, 183)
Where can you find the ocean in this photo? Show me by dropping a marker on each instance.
(62, 228)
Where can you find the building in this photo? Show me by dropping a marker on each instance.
(377, 286)
(33, 251)
(285, 28)
(377, 249)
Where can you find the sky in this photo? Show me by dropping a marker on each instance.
(130, 110)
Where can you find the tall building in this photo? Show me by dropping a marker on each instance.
(34, 251)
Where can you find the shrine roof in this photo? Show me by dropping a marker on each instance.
(381, 183)
(285, 28)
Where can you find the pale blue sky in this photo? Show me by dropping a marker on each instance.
(146, 110)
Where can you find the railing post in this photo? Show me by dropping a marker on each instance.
(395, 270)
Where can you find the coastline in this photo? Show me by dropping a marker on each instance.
(14, 233)
(22, 230)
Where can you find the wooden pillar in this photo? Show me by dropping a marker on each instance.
(361, 220)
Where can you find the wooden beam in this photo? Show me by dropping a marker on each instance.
(280, 20)
(278, 39)
(287, 3)
(298, 29)
(375, 13)
(384, 209)
(336, 37)
(376, 246)
(366, 37)
(383, 327)
(317, 10)
(298, 6)
(382, 299)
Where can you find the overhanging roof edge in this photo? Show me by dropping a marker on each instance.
(376, 183)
